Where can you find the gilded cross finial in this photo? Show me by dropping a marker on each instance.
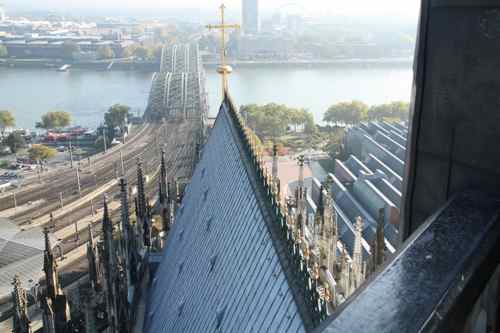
(223, 69)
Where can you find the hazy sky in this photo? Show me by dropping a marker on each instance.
(407, 8)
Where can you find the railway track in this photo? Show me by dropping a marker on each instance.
(180, 159)
(65, 178)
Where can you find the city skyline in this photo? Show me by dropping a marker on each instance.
(310, 8)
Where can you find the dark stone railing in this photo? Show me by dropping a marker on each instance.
(303, 276)
(436, 278)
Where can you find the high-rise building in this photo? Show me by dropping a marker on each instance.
(2, 13)
(250, 14)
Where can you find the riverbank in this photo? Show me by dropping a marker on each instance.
(313, 63)
(107, 65)
(128, 65)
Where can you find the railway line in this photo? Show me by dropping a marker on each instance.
(179, 161)
(175, 120)
(65, 179)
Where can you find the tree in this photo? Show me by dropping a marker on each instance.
(116, 116)
(346, 112)
(6, 120)
(309, 125)
(41, 153)
(105, 52)
(141, 52)
(395, 111)
(69, 49)
(55, 119)
(334, 146)
(15, 141)
(3, 51)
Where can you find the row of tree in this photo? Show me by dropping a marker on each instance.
(353, 112)
(274, 120)
(16, 140)
(50, 120)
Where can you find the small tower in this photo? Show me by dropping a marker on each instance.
(92, 260)
(126, 241)
(56, 311)
(2, 13)
(164, 195)
(110, 269)
(357, 253)
(172, 200)
(301, 192)
(380, 246)
(21, 323)
(147, 225)
(50, 269)
(141, 195)
(330, 229)
(275, 163)
(48, 316)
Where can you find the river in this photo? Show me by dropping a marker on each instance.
(88, 94)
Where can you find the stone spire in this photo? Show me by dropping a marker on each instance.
(357, 253)
(301, 194)
(275, 163)
(380, 246)
(92, 260)
(127, 232)
(316, 228)
(125, 220)
(330, 221)
(48, 316)
(345, 273)
(163, 194)
(147, 225)
(110, 268)
(138, 225)
(173, 197)
(107, 229)
(50, 269)
(56, 313)
(141, 196)
(21, 323)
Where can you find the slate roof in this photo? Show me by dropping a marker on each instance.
(222, 269)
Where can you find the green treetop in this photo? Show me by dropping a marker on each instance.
(55, 119)
(15, 141)
(349, 113)
(273, 120)
(117, 116)
(41, 152)
(395, 111)
(6, 120)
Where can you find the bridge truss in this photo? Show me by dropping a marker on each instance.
(178, 90)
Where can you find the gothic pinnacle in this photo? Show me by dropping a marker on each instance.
(106, 221)
(48, 246)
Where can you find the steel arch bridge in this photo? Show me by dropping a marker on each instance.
(178, 90)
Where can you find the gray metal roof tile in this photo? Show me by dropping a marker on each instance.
(246, 290)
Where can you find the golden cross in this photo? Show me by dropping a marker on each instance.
(223, 69)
